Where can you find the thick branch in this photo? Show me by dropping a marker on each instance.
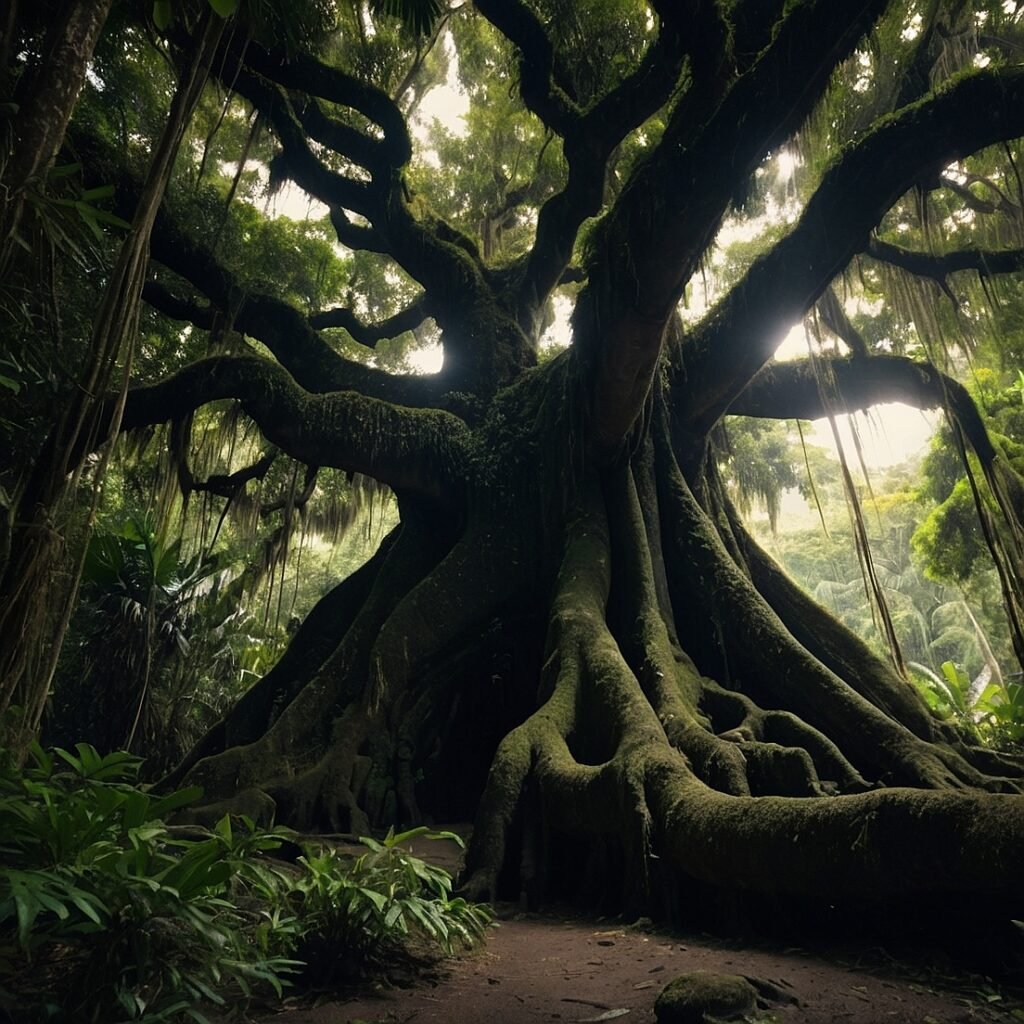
(743, 330)
(307, 74)
(165, 301)
(589, 141)
(670, 209)
(936, 267)
(792, 391)
(369, 334)
(290, 335)
(301, 163)
(542, 86)
(975, 202)
(414, 451)
(275, 323)
(227, 485)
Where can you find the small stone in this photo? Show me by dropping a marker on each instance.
(692, 998)
(606, 942)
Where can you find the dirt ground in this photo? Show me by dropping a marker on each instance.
(542, 968)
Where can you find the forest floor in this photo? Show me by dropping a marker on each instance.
(560, 967)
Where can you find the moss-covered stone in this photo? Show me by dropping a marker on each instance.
(701, 997)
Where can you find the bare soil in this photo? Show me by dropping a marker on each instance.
(545, 967)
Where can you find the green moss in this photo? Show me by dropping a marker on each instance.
(701, 997)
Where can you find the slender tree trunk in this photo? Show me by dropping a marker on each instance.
(44, 108)
(37, 589)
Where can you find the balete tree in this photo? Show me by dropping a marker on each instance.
(570, 636)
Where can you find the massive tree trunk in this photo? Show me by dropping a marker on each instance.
(592, 661)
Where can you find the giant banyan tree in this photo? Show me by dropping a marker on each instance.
(570, 637)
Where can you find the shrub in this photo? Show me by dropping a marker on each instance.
(105, 915)
(359, 910)
(108, 914)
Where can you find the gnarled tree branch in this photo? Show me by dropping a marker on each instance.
(669, 210)
(743, 330)
(416, 451)
(369, 334)
(937, 266)
(792, 391)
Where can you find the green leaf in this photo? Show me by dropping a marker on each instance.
(162, 14)
(225, 8)
(179, 798)
(64, 171)
(417, 15)
(404, 837)
(100, 192)
(376, 898)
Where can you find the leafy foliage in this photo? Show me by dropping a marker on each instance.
(133, 637)
(107, 913)
(104, 913)
(368, 906)
(988, 711)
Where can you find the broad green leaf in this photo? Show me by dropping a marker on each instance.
(162, 14)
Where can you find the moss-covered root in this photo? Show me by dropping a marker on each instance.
(849, 657)
(290, 754)
(583, 751)
(774, 669)
(772, 742)
(668, 678)
(838, 648)
(885, 843)
(316, 639)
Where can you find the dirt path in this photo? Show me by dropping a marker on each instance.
(538, 969)
(543, 968)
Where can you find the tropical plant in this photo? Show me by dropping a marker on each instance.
(143, 601)
(357, 911)
(108, 913)
(105, 914)
(992, 712)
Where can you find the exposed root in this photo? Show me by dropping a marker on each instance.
(292, 756)
(768, 664)
(750, 792)
(317, 638)
(738, 719)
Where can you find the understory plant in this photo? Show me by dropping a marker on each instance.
(992, 712)
(108, 914)
(358, 911)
